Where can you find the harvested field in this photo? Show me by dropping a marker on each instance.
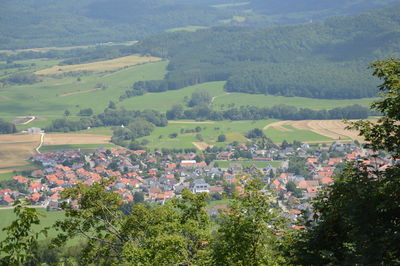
(107, 65)
(16, 149)
(334, 129)
(66, 139)
(201, 145)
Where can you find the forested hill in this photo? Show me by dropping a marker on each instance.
(42, 23)
(321, 60)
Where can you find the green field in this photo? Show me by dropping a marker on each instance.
(6, 176)
(49, 98)
(258, 164)
(83, 147)
(163, 101)
(47, 220)
(243, 99)
(187, 28)
(294, 134)
(234, 131)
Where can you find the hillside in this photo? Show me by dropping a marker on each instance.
(319, 60)
(42, 23)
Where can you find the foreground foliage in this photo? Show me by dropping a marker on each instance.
(357, 219)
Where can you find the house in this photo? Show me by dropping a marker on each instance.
(199, 186)
(188, 163)
(224, 155)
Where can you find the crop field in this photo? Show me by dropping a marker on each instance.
(258, 164)
(52, 96)
(208, 132)
(310, 131)
(16, 149)
(68, 139)
(100, 66)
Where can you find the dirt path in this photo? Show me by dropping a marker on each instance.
(201, 145)
(215, 97)
(278, 126)
(30, 120)
(41, 143)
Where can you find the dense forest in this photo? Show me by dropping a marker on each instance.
(43, 23)
(319, 60)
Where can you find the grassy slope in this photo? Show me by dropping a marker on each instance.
(42, 99)
(260, 100)
(234, 131)
(165, 100)
(47, 220)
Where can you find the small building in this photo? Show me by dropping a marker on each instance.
(199, 186)
(34, 130)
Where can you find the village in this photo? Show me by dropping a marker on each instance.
(157, 177)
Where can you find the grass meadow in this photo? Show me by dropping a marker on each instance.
(210, 130)
(45, 99)
(47, 220)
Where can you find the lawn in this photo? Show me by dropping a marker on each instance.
(248, 163)
(209, 132)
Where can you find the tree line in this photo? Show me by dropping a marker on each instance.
(109, 117)
(7, 127)
(284, 112)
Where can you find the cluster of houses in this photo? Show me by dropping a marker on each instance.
(158, 177)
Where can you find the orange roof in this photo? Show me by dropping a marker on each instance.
(326, 180)
(21, 179)
(312, 160)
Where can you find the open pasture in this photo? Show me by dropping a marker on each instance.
(208, 132)
(49, 98)
(223, 101)
(16, 149)
(163, 101)
(100, 66)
